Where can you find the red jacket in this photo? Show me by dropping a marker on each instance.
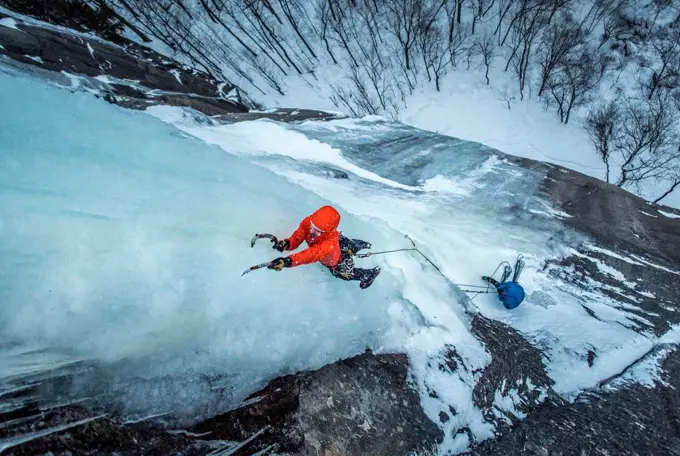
(320, 232)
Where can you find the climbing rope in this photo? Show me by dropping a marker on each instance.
(467, 288)
(412, 249)
(370, 254)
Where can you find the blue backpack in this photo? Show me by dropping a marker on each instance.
(511, 294)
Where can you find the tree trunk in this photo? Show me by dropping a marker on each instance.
(607, 175)
(452, 26)
(544, 82)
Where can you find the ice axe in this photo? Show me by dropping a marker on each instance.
(255, 268)
(271, 237)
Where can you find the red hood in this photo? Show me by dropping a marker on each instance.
(327, 218)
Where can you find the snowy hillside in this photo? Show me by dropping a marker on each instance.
(521, 76)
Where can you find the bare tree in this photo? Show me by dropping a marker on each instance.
(453, 11)
(508, 99)
(480, 8)
(292, 11)
(560, 39)
(527, 22)
(667, 50)
(435, 54)
(526, 29)
(572, 82)
(648, 142)
(404, 19)
(460, 44)
(504, 7)
(659, 7)
(612, 25)
(599, 10)
(602, 126)
(368, 92)
(487, 48)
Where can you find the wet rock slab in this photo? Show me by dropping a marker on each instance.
(362, 405)
(630, 420)
(137, 77)
(282, 115)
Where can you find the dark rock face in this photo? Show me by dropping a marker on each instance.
(138, 76)
(280, 115)
(341, 409)
(615, 218)
(632, 420)
(81, 15)
(75, 430)
(645, 243)
(515, 364)
(74, 14)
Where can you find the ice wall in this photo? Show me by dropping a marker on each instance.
(468, 207)
(122, 241)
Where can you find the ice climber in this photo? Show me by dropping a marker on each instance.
(326, 246)
(510, 293)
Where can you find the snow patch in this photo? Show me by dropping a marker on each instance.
(649, 215)
(9, 23)
(35, 58)
(508, 403)
(89, 48)
(550, 212)
(669, 214)
(603, 267)
(105, 79)
(76, 80)
(647, 372)
(461, 186)
(613, 254)
(175, 72)
(647, 294)
(656, 266)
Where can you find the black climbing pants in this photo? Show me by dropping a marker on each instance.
(345, 269)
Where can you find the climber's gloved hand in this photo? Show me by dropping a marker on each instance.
(281, 245)
(280, 263)
(486, 279)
